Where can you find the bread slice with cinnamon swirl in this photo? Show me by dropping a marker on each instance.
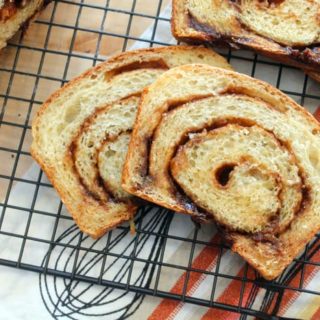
(284, 30)
(81, 133)
(14, 14)
(235, 149)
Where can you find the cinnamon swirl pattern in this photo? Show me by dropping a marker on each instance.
(81, 134)
(234, 149)
(284, 30)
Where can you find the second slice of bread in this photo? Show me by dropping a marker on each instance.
(81, 133)
(232, 148)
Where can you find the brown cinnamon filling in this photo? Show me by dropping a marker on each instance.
(10, 7)
(271, 232)
(268, 2)
(72, 151)
(199, 214)
(271, 3)
(202, 27)
(222, 175)
(99, 179)
(108, 138)
(307, 56)
(136, 65)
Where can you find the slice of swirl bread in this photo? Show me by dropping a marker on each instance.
(81, 133)
(285, 30)
(235, 149)
(14, 14)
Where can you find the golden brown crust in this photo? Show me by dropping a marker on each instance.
(107, 65)
(187, 28)
(95, 234)
(314, 75)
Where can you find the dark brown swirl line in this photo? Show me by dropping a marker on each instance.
(110, 158)
(242, 36)
(137, 65)
(160, 154)
(107, 124)
(222, 176)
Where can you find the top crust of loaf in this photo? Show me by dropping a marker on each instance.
(73, 113)
(287, 30)
(176, 127)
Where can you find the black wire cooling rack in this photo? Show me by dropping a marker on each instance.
(67, 38)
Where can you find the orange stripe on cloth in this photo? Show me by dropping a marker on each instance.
(205, 259)
(316, 316)
(291, 295)
(232, 292)
(231, 296)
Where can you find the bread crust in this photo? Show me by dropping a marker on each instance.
(275, 249)
(92, 215)
(19, 19)
(188, 29)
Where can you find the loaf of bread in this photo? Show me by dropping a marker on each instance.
(285, 30)
(225, 146)
(14, 14)
(81, 133)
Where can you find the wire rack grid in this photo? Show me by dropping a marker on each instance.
(66, 39)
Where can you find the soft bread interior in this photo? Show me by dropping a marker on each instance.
(286, 22)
